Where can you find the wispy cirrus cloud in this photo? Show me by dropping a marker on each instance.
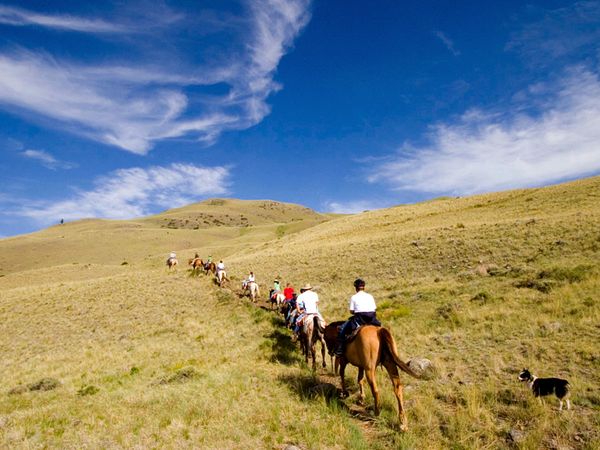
(22, 17)
(493, 150)
(448, 43)
(46, 159)
(552, 34)
(134, 102)
(134, 192)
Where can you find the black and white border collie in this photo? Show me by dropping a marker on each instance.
(547, 386)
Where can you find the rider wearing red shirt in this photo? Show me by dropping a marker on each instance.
(288, 292)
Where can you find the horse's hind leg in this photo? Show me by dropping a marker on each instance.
(361, 381)
(373, 385)
(323, 345)
(343, 380)
(395, 377)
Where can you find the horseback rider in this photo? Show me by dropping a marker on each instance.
(363, 310)
(306, 303)
(220, 267)
(288, 292)
(276, 289)
(172, 256)
(208, 262)
(247, 281)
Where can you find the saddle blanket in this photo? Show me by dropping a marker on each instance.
(322, 323)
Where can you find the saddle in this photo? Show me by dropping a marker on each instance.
(355, 331)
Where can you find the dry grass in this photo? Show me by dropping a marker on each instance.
(482, 286)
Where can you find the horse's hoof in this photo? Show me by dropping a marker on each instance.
(344, 394)
(404, 428)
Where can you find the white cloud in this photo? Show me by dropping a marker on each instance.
(135, 192)
(352, 207)
(488, 151)
(133, 104)
(47, 159)
(21, 17)
(448, 43)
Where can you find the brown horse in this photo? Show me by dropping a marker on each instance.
(311, 333)
(197, 264)
(331, 332)
(172, 263)
(371, 347)
(210, 267)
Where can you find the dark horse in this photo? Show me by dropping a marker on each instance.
(210, 267)
(373, 346)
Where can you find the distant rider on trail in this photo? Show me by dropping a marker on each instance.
(251, 279)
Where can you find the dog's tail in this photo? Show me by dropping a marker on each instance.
(389, 347)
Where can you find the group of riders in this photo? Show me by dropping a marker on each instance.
(219, 267)
(297, 308)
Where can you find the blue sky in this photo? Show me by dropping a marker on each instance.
(123, 109)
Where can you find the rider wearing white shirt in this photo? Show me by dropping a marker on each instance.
(247, 281)
(361, 302)
(306, 303)
(220, 266)
(363, 310)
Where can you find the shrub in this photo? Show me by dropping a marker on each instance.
(481, 297)
(449, 312)
(568, 274)
(544, 286)
(88, 390)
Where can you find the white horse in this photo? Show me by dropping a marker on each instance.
(277, 300)
(172, 263)
(221, 277)
(254, 290)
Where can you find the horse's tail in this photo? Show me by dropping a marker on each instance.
(389, 346)
(317, 324)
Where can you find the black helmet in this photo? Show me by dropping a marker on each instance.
(359, 283)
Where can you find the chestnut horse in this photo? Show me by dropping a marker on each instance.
(371, 347)
(197, 264)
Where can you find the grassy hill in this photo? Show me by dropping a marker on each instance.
(483, 286)
(234, 224)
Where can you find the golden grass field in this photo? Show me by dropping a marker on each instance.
(483, 286)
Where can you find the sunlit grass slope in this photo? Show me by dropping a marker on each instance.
(483, 286)
(150, 360)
